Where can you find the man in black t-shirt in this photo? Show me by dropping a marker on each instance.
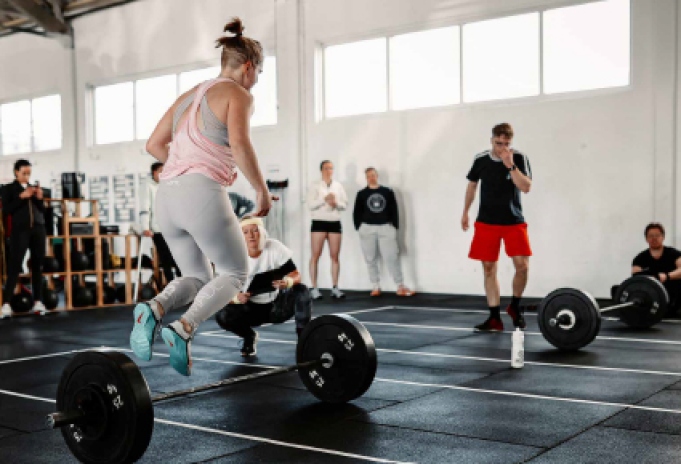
(503, 173)
(661, 262)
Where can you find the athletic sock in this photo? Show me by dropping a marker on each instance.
(495, 312)
(179, 329)
(154, 309)
(515, 303)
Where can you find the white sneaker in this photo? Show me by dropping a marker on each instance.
(39, 308)
(315, 294)
(337, 293)
(5, 311)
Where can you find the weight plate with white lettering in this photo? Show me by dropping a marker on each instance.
(349, 356)
(119, 418)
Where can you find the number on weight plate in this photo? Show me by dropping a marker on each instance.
(345, 340)
(316, 378)
(77, 435)
(118, 402)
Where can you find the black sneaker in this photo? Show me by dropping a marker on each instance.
(517, 316)
(492, 324)
(248, 346)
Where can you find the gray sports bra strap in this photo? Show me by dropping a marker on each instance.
(213, 129)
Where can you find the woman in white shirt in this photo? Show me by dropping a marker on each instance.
(326, 200)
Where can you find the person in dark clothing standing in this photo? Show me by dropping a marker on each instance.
(24, 202)
(377, 219)
(661, 262)
(503, 173)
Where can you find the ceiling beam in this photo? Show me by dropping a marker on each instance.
(88, 4)
(71, 10)
(27, 31)
(57, 9)
(44, 17)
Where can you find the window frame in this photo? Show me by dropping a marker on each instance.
(444, 105)
(91, 106)
(30, 98)
(592, 91)
(321, 53)
(542, 97)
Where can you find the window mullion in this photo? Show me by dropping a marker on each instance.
(30, 115)
(388, 86)
(134, 110)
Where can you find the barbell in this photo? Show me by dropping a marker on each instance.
(105, 408)
(570, 318)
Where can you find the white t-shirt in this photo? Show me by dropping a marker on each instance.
(274, 255)
(148, 215)
(320, 209)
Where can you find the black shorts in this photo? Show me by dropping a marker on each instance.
(331, 227)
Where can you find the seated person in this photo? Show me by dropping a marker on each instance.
(272, 292)
(661, 262)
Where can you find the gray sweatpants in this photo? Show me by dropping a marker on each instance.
(380, 241)
(199, 224)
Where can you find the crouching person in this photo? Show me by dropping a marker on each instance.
(272, 292)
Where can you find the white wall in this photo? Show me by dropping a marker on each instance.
(604, 162)
(33, 66)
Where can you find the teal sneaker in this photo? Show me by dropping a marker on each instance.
(180, 350)
(144, 331)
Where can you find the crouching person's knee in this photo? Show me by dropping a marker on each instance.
(228, 315)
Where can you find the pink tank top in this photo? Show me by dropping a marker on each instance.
(191, 152)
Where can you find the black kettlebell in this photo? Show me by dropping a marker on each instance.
(50, 298)
(51, 264)
(83, 296)
(147, 292)
(109, 295)
(79, 261)
(21, 302)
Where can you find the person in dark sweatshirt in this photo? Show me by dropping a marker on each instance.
(24, 202)
(377, 220)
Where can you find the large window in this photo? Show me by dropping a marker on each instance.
(30, 125)
(355, 78)
(153, 97)
(16, 127)
(265, 95)
(587, 46)
(582, 47)
(114, 118)
(501, 58)
(131, 110)
(425, 69)
(191, 78)
(46, 114)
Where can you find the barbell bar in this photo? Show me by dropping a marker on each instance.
(565, 318)
(61, 419)
(570, 318)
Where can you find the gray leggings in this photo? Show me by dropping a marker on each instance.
(199, 224)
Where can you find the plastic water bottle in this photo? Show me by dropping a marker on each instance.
(518, 349)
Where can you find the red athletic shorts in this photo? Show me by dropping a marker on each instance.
(487, 241)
